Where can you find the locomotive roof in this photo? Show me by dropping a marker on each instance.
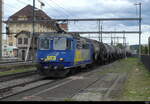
(53, 34)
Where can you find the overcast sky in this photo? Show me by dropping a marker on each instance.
(93, 9)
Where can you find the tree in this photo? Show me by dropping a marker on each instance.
(146, 49)
(119, 45)
(142, 49)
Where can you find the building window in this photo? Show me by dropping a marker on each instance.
(10, 43)
(10, 37)
(22, 18)
(19, 40)
(25, 40)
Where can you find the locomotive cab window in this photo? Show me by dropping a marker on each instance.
(79, 45)
(59, 44)
(68, 44)
(85, 46)
(44, 44)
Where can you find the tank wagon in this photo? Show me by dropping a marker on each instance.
(60, 54)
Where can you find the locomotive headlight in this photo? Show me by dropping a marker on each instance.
(61, 59)
(42, 59)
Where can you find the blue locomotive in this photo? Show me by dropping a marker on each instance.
(59, 54)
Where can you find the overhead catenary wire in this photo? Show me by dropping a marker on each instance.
(63, 9)
(58, 11)
(22, 2)
(65, 12)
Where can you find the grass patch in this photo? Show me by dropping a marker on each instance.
(17, 70)
(124, 65)
(137, 87)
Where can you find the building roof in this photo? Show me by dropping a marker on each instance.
(28, 12)
(26, 33)
(25, 15)
(23, 32)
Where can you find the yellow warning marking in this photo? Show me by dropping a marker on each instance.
(49, 58)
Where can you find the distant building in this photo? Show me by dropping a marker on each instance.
(20, 28)
(8, 51)
(134, 49)
(23, 41)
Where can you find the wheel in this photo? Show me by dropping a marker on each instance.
(40, 69)
(60, 73)
(72, 71)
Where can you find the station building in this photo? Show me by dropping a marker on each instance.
(20, 26)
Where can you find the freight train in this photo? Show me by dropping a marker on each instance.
(59, 54)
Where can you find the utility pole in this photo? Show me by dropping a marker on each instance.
(101, 33)
(124, 44)
(1, 12)
(111, 40)
(139, 28)
(149, 46)
(115, 38)
(31, 39)
(123, 40)
(99, 30)
(33, 34)
(89, 36)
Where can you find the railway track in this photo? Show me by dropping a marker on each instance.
(15, 62)
(11, 87)
(5, 66)
(39, 82)
(8, 91)
(17, 75)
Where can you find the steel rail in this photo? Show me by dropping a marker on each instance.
(9, 95)
(12, 61)
(17, 75)
(6, 89)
